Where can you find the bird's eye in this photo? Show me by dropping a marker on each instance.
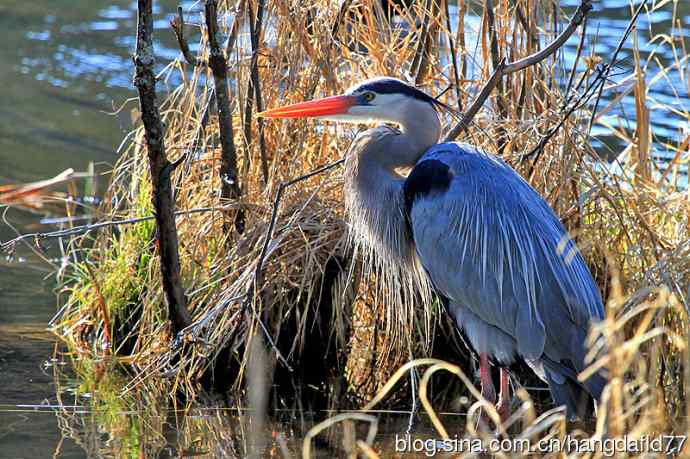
(368, 96)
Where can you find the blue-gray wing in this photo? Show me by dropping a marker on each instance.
(491, 243)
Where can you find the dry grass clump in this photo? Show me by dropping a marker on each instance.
(308, 295)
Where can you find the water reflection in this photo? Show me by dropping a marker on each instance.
(145, 423)
(607, 22)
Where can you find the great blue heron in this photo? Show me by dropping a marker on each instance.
(490, 245)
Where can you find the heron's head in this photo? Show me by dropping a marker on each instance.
(377, 99)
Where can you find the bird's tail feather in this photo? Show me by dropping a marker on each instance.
(595, 385)
(579, 398)
(577, 401)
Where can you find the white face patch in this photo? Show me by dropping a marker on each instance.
(387, 100)
(351, 117)
(383, 107)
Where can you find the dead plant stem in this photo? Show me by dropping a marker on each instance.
(230, 185)
(162, 195)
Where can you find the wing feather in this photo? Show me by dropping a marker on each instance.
(492, 244)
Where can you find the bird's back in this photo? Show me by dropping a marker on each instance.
(492, 245)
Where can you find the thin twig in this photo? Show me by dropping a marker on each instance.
(36, 248)
(476, 104)
(417, 67)
(342, 11)
(249, 97)
(596, 86)
(578, 53)
(276, 206)
(524, 23)
(495, 60)
(577, 19)
(258, 271)
(493, 37)
(504, 69)
(197, 135)
(255, 26)
(177, 25)
(234, 32)
(453, 57)
(581, 101)
(621, 42)
(84, 229)
(103, 308)
(335, 28)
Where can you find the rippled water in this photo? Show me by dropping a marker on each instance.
(64, 64)
(669, 93)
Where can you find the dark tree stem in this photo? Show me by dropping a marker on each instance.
(453, 56)
(493, 37)
(420, 62)
(254, 86)
(495, 60)
(160, 168)
(230, 185)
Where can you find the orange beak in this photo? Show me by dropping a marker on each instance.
(335, 105)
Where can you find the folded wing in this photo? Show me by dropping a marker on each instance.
(491, 243)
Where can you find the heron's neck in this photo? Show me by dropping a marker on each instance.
(420, 125)
(420, 129)
(373, 199)
(375, 206)
(373, 188)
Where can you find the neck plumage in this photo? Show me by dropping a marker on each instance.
(374, 197)
(373, 184)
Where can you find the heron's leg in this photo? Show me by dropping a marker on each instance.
(503, 406)
(488, 390)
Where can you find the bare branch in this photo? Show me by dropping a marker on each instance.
(177, 25)
(477, 103)
(504, 69)
(254, 86)
(159, 166)
(628, 29)
(420, 62)
(84, 229)
(491, 19)
(453, 56)
(595, 87)
(578, 53)
(559, 41)
(581, 101)
(230, 185)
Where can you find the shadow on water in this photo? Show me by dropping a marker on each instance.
(92, 412)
